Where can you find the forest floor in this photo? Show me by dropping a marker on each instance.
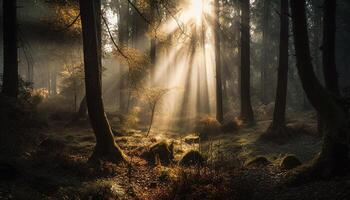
(57, 168)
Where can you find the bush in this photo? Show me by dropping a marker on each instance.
(231, 126)
(207, 126)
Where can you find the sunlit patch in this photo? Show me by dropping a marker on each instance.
(186, 66)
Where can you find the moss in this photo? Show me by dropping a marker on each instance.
(259, 161)
(162, 152)
(192, 158)
(289, 162)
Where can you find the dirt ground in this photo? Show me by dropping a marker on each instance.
(58, 169)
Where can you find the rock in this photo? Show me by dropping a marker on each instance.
(162, 151)
(289, 162)
(259, 161)
(191, 139)
(192, 158)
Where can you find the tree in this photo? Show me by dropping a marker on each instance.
(333, 159)
(328, 47)
(264, 53)
(219, 111)
(105, 145)
(278, 126)
(246, 107)
(10, 75)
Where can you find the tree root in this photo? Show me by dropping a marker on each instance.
(113, 154)
(317, 169)
(280, 134)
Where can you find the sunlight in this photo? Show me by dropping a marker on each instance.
(187, 67)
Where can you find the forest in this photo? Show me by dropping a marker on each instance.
(175, 99)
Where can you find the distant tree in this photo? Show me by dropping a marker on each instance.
(105, 148)
(219, 110)
(278, 126)
(246, 107)
(10, 75)
(264, 50)
(334, 157)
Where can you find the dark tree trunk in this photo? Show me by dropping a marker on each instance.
(317, 22)
(10, 75)
(278, 125)
(246, 107)
(105, 146)
(328, 47)
(264, 52)
(334, 158)
(219, 110)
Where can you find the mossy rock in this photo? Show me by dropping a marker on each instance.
(192, 139)
(289, 162)
(259, 161)
(192, 158)
(162, 152)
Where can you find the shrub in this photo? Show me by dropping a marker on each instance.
(207, 126)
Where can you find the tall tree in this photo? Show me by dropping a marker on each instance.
(219, 110)
(105, 146)
(278, 126)
(264, 53)
(246, 106)
(10, 75)
(317, 25)
(334, 158)
(328, 47)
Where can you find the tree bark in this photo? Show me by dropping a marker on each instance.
(264, 52)
(105, 148)
(246, 107)
(333, 159)
(10, 75)
(317, 22)
(279, 119)
(328, 47)
(219, 110)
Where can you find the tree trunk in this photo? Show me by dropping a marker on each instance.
(334, 158)
(328, 47)
(264, 52)
(246, 107)
(105, 146)
(10, 75)
(219, 110)
(278, 125)
(317, 22)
